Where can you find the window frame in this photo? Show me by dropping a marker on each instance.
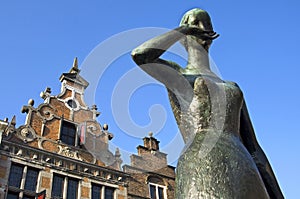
(103, 188)
(113, 193)
(156, 190)
(100, 190)
(21, 190)
(65, 185)
(62, 185)
(15, 175)
(69, 186)
(61, 132)
(30, 177)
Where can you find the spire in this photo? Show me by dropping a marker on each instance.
(75, 63)
(74, 68)
(73, 76)
(13, 121)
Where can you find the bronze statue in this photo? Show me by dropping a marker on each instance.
(222, 158)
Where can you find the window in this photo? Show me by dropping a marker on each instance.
(72, 189)
(102, 192)
(28, 187)
(68, 133)
(152, 191)
(58, 186)
(96, 191)
(109, 193)
(72, 104)
(15, 176)
(157, 191)
(31, 179)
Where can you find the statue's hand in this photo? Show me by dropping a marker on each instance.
(199, 33)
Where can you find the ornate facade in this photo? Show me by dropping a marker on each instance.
(62, 152)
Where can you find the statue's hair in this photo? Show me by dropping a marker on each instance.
(192, 16)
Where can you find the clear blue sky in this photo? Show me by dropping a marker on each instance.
(258, 48)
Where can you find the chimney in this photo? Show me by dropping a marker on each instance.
(151, 143)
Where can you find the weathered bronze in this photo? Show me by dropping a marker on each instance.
(222, 158)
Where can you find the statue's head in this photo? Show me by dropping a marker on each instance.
(199, 18)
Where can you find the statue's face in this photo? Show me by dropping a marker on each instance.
(200, 19)
(199, 22)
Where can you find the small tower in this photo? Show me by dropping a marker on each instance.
(73, 79)
(150, 171)
(149, 157)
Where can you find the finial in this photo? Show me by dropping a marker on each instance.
(75, 63)
(94, 107)
(30, 102)
(95, 112)
(45, 94)
(117, 152)
(150, 134)
(105, 127)
(48, 90)
(13, 121)
(74, 68)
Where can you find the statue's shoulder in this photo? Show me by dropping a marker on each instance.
(235, 87)
(232, 83)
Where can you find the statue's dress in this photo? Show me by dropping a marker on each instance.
(214, 163)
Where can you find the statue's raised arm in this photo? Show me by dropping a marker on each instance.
(150, 51)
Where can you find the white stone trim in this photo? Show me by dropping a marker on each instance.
(18, 161)
(103, 183)
(156, 190)
(66, 174)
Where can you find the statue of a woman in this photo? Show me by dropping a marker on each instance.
(222, 158)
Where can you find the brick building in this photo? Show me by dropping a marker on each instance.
(62, 152)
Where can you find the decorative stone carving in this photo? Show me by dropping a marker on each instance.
(46, 111)
(26, 133)
(68, 152)
(95, 112)
(10, 129)
(46, 94)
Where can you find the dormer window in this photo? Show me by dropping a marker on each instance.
(68, 133)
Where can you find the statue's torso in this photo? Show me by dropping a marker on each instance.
(215, 104)
(214, 163)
